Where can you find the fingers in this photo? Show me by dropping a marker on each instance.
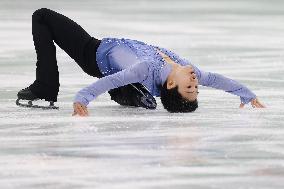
(80, 109)
(253, 103)
(242, 105)
(256, 104)
(261, 105)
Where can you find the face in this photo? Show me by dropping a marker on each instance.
(186, 80)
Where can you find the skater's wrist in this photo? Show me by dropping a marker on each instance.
(81, 100)
(246, 100)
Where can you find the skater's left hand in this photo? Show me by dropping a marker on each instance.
(254, 103)
(80, 109)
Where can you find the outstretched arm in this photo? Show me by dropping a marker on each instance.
(219, 81)
(135, 73)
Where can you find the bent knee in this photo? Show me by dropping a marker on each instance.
(40, 12)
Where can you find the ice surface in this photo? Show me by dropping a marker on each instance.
(218, 146)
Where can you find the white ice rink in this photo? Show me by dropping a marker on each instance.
(219, 146)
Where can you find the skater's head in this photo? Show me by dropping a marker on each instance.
(179, 92)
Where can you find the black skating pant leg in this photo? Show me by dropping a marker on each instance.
(48, 27)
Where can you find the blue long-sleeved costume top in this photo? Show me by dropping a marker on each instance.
(124, 61)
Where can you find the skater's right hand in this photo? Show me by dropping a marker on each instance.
(255, 103)
(80, 109)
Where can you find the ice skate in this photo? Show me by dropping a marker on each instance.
(134, 94)
(27, 95)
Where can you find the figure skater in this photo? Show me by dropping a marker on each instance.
(130, 70)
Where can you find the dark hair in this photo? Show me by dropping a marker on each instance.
(173, 101)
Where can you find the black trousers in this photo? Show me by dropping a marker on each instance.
(48, 27)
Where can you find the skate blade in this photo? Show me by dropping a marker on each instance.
(147, 100)
(31, 105)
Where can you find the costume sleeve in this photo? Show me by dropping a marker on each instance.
(219, 81)
(135, 73)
